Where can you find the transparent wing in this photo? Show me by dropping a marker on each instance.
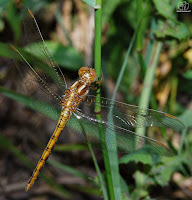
(52, 74)
(43, 78)
(122, 118)
(127, 141)
(36, 86)
(128, 116)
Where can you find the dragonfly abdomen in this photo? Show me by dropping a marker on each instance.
(64, 117)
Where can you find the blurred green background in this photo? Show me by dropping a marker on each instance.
(163, 43)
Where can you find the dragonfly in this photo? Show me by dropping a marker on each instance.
(75, 105)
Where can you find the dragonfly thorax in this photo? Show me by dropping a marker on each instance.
(76, 93)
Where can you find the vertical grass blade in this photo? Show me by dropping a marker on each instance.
(97, 63)
(112, 154)
(148, 81)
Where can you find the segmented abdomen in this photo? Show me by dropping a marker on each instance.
(64, 117)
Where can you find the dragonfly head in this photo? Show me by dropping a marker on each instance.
(90, 71)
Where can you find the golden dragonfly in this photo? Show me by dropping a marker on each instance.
(45, 82)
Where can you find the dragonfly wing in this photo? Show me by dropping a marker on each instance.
(129, 116)
(45, 99)
(126, 140)
(36, 45)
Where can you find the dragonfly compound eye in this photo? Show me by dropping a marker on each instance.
(90, 71)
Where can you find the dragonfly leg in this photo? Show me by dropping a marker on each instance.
(96, 84)
(90, 100)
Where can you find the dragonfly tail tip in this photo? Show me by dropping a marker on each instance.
(27, 188)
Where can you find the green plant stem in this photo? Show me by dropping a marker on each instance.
(97, 64)
(123, 67)
(143, 15)
(139, 42)
(183, 137)
(97, 47)
(102, 183)
(174, 86)
(148, 81)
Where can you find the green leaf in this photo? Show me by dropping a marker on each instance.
(16, 96)
(4, 50)
(41, 107)
(14, 21)
(93, 3)
(3, 7)
(68, 169)
(186, 117)
(164, 8)
(163, 173)
(2, 24)
(124, 188)
(3, 4)
(70, 147)
(143, 182)
(188, 162)
(108, 9)
(135, 157)
(173, 29)
(188, 74)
